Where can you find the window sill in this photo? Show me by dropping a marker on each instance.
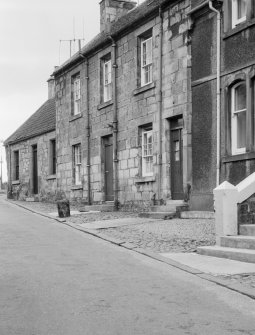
(145, 180)
(105, 104)
(75, 117)
(51, 176)
(144, 88)
(241, 157)
(240, 27)
(15, 182)
(76, 187)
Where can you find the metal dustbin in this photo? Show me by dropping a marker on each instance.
(63, 208)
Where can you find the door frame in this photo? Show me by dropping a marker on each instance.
(103, 157)
(33, 146)
(176, 124)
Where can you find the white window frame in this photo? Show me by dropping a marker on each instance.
(147, 152)
(235, 19)
(107, 80)
(77, 164)
(234, 113)
(146, 61)
(76, 95)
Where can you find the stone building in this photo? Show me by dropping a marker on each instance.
(123, 108)
(234, 130)
(31, 154)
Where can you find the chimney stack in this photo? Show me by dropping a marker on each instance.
(51, 87)
(112, 10)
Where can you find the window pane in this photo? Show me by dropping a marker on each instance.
(241, 130)
(241, 8)
(240, 97)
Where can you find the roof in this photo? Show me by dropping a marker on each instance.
(128, 21)
(41, 122)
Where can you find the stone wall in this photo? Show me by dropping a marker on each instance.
(22, 188)
(135, 107)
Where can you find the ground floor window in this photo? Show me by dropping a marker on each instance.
(147, 151)
(238, 118)
(77, 164)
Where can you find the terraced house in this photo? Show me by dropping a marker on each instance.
(123, 112)
(123, 108)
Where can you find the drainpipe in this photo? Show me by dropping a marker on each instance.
(160, 104)
(88, 128)
(218, 92)
(87, 125)
(115, 123)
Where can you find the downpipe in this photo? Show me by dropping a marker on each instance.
(160, 105)
(218, 104)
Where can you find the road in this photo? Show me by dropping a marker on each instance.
(56, 280)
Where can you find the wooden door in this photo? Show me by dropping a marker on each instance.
(108, 168)
(176, 164)
(35, 170)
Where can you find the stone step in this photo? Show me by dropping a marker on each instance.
(197, 215)
(176, 202)
(247, 229)
(168, 208)
(102, 208)
(242, 255)
(240, 242)
(157, 215)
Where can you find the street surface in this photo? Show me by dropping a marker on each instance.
(56, 280)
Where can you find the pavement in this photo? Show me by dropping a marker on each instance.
(122, 230)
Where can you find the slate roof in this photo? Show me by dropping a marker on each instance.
(133, 18)
(41, 122)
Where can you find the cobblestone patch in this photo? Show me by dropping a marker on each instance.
(177, 235)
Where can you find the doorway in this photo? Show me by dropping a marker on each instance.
(176, 162)
(108, 167)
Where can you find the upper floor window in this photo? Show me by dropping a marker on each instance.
(16, 165)
(146, 60)
(239, 11)
(107, 80)
(147, 154)
(76, 94)
(77, 164)
(238, 118)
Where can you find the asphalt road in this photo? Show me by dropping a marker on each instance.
(56, 280)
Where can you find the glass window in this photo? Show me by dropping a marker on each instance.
(238, 118)
(77, 164)
(107, 80)
(76, 94)
(239, 9)
(147, 154)
(146, 61)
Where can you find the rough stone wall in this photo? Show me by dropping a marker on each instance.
(47, 184)
(135, 107)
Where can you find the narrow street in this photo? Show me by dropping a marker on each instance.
(56, 280)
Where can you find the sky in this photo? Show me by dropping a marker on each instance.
(30, 31)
